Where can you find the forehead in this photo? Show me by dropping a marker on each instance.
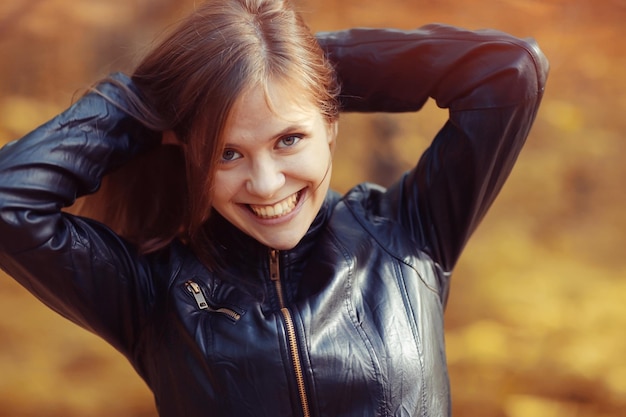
(262, 109)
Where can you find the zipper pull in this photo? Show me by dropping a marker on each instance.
(274, 269)
(194, 289)
(198, 295)
(275, 276)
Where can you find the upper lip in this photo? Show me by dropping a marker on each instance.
(273, 203)
(279, 209)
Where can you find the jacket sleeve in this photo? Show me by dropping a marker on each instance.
(490, 82)
(76, 266)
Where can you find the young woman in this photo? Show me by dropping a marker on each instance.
(243, 286)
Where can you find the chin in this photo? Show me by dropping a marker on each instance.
(281, 242)
(282, 245)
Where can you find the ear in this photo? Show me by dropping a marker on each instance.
(333, 129)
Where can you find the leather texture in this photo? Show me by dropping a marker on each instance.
(364, 292)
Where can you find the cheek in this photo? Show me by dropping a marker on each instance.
(226, 186)
(313, 164)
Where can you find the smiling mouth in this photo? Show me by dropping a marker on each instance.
(282, 208)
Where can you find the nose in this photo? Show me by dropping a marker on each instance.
(266, 178)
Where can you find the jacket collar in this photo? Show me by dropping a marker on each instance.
(234, 247)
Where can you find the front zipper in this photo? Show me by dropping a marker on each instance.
(198, 295)
(291, 331)
(275, 276)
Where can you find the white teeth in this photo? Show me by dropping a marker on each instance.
(279, 209)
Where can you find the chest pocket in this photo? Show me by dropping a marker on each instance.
(229, 311)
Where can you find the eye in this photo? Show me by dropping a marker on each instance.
(288, 141)
(230, 155)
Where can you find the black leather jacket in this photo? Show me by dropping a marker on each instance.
(348, 323)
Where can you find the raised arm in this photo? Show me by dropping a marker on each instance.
(491, 83)
(76, 266)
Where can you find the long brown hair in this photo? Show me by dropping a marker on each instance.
(189, 83)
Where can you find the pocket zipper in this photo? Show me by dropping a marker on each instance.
(202, 303)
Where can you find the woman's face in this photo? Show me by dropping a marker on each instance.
(275, 168)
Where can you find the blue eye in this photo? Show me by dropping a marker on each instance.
(230, 155)
(288, 141)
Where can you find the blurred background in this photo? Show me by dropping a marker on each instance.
(536, 323)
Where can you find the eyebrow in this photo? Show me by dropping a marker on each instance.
(295, 127)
